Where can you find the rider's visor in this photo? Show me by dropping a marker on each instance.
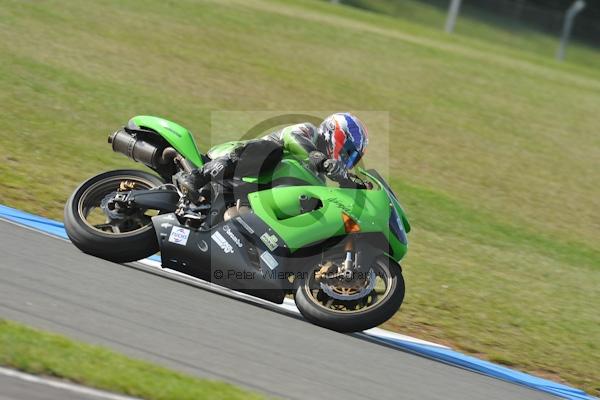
(349, 155)
(353, 159)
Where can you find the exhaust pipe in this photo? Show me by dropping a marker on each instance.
(140, 150)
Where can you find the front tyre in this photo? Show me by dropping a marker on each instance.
(341, 309)
(97, 231)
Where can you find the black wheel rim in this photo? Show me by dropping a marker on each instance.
(381, 292)
(90, 212)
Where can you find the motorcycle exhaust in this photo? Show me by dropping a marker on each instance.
(140, 150)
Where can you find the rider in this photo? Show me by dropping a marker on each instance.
(335, 147)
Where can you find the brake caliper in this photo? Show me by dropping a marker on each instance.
(125, 186)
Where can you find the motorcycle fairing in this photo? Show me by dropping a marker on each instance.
(179, 137)
(228, 254)
(280, 209)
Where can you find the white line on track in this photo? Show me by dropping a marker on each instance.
(71, 387)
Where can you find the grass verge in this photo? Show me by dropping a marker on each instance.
(44, 353)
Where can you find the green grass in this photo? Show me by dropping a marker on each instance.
(493, 149)
(43, 353)
(480, 29)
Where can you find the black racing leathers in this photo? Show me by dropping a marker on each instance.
(252, 157)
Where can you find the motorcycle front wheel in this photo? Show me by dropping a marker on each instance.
(345, 307)
(113, 236)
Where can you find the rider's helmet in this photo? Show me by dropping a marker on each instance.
(345, 138)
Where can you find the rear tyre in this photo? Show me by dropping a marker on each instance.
(350, 316)
(119, 239)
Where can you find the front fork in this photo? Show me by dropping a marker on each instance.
(347, 267)
(349, 264)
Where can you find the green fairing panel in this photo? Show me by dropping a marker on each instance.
(177, 136)
(280, 209)
(286, 169)
(291, 168)
(393, 199)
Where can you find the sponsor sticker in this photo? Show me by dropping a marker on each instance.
(269, 240)
(179, 235)
(244, 224)
(235, 239)
(222, 242)
(269, 260)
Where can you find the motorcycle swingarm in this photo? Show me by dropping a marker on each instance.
(156, 199)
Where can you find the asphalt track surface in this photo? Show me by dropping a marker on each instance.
(47, 283)
(15, 389)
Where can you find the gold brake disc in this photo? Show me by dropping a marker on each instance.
(339, 288)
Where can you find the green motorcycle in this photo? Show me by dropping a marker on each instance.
(282, 232)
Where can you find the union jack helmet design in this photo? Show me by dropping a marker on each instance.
(345, 137)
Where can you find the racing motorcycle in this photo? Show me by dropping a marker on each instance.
(272, 234)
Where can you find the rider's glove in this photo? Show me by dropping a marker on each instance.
(315, 161)
(319, 162)
(335, 170)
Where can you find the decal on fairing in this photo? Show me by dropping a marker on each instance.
(269, 260)
(222, 242)
(203, 246)
(235, 239)
(179, 235)
(271, 241)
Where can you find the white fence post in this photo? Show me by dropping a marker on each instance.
(570, 15)
(453, 11)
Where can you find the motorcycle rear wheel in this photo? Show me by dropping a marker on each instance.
(347, 316)
(123, 239)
